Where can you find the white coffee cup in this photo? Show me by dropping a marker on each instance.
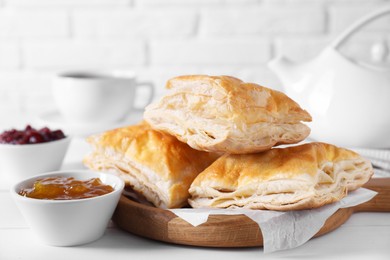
(97, 97)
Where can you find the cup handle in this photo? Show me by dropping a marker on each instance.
(147, 84)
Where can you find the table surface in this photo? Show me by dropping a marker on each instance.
(363, 236)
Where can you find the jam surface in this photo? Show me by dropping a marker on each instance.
(66, 188)
(30, 135)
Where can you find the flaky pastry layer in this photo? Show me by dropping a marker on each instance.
(153, 163)
(294, 178)
(225, 114)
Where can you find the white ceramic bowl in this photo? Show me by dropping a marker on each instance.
(21, 161)
(69, 222)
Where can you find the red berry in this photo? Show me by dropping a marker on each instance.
(30, 136)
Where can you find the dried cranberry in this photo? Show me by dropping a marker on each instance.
(45, 130)
(57, 134)
(35, 138)
(30, 136)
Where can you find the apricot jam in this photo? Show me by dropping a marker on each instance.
(66, 188)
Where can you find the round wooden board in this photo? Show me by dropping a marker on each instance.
(222, 230)
(218, 231)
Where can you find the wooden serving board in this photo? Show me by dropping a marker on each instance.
(225, 230)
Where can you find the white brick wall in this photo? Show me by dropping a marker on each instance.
(193, 3)
(79, 54)
(9, 55)
(16, 23)
(160, 39)
(165, 23)
(218, 52)
(62, 3)
(265, 20)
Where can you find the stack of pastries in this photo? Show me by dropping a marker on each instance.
(210, 143)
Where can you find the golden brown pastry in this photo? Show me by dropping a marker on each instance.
(224, 114)
(154, 164)
(299, 177)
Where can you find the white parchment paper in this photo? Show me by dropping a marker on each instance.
(282, 229)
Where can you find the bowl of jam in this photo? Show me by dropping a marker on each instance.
(29, 151)
(68, 208)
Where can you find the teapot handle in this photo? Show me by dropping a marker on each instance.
(357, 25)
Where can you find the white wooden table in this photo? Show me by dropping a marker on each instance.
(363, 236)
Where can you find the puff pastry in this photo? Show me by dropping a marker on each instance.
(154, 164)
(224, 114)
(294, 178)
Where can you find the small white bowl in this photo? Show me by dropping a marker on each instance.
(69, 222)
(20, 161)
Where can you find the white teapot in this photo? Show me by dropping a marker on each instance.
(349, 101)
